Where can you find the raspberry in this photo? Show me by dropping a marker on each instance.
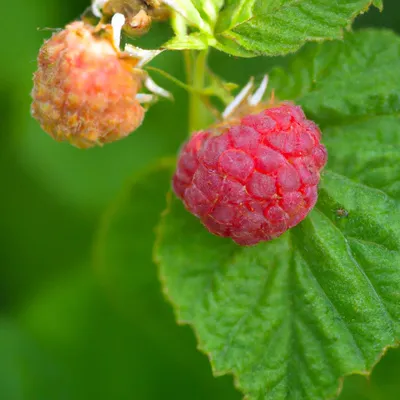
(253, 179)
(84, 89)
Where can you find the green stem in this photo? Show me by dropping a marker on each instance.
(171, 78)
(199, 116)
(187, 56)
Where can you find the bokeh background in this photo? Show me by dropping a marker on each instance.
(70, 329)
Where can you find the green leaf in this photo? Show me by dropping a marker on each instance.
(195, 41)
(290, 318)
(276, 27)
(343, 81)
(360, 120)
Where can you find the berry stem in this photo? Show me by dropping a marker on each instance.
(199, 115)
(180, 29)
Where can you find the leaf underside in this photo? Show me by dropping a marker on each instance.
(291, 317)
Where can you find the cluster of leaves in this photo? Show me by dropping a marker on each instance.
(249, 28)
(289, 319)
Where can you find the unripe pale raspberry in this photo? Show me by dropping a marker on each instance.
(255, 178)
(85, 89)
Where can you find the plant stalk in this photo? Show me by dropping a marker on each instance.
(199, 115)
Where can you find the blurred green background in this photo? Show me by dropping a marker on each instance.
(78, 321)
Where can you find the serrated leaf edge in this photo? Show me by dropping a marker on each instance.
(200, 345)
(232, 36)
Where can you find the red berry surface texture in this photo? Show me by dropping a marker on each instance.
(84, 89)
(253, 179)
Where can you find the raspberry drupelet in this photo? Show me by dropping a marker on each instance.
(254, 178)
(85, 89)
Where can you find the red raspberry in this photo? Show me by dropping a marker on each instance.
(84, 89)
(255, 179)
